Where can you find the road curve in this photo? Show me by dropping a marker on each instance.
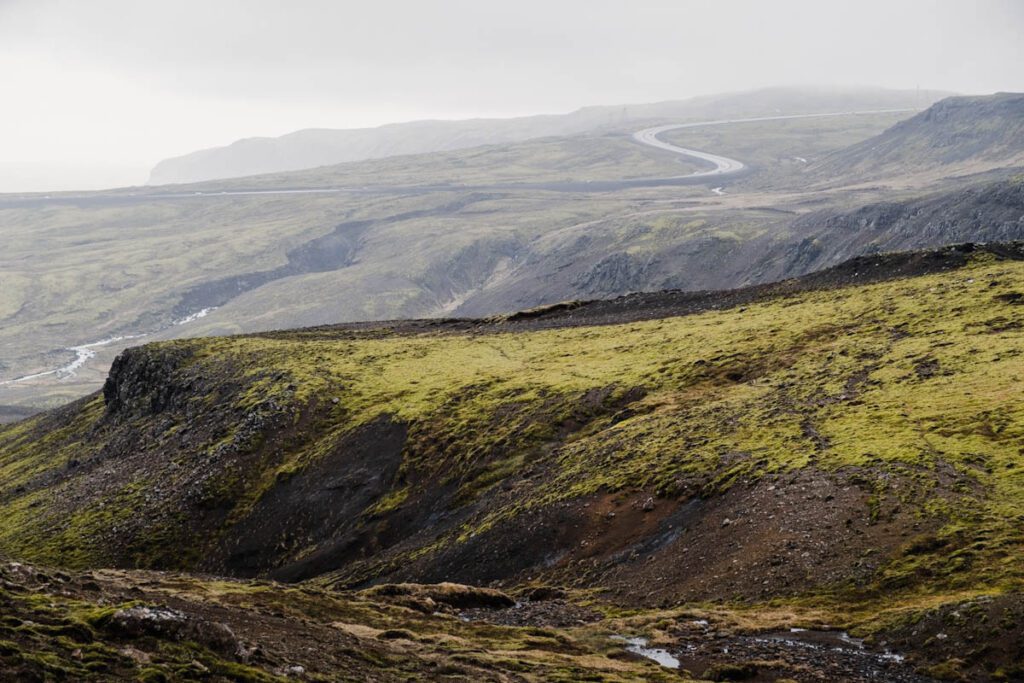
(725, 165)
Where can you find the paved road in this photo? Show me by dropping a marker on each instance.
(724, 165)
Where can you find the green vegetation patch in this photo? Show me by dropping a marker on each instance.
(920, 378)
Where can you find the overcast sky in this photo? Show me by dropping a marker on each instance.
(96, 92)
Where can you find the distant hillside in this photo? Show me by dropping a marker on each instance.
(583, 267)
(286, 260)
(976, 133)
(322, 147)
(992, 212)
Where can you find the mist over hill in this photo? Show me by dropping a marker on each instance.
(319, 147)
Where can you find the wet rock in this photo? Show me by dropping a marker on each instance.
(171, 624)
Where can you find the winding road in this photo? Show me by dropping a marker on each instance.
(724, 165)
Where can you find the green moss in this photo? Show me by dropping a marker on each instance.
(388, 502)
(903, 379)
(949, 670)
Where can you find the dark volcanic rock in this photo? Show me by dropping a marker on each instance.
(987, 214)
(142, 381)
(171, 624)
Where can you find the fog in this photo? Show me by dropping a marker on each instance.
(96, 93)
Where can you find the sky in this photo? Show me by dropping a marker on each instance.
(95, 93)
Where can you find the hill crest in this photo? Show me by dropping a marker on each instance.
(968, 134)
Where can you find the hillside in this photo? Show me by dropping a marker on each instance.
(88, 267)
(311, 148)
(845, 447)
(724, 249)
(957, 134)
(89, 273)
(988, 212)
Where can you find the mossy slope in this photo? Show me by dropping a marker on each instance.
(361, 455)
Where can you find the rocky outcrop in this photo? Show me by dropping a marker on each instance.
(142, 621)
(142, 380)
(614, 274)
(991, 213)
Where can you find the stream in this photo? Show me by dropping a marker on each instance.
(638, 646)
(831, 655)
(86, 352)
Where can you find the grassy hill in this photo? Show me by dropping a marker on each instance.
(847, 446)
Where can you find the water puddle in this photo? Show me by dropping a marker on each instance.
(638, 646)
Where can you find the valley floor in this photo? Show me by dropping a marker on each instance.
(154, 626)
